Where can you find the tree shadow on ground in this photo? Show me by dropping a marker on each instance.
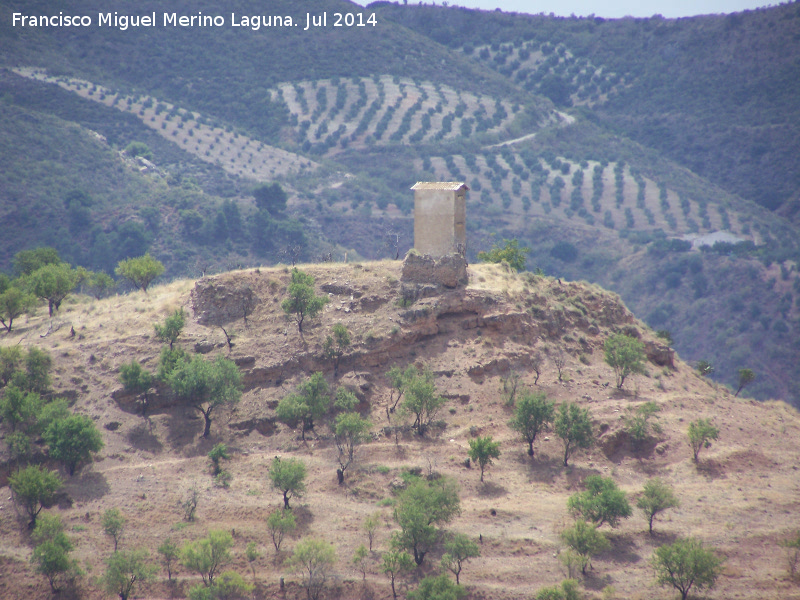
(489, 489)
(89, 485)
(596, 581)
(711, 469)
(623, 549)
(141, 437)
(542, 468)
(183, 426)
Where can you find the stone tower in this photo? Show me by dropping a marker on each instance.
(440, 217)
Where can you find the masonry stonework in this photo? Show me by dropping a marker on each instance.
(440, 216)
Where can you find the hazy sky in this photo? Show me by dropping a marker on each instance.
(610, 8)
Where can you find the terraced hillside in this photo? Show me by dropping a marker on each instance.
(552, 71)
(237, 154)
(333, 114)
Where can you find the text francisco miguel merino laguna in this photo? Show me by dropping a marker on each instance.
(254, 22)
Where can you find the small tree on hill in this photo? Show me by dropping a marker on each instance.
(421, 400)
(532, 415)
(20, 409)
(218, 453)
(336, 345)
(656, 497)
(568, 590)
(602, 502)
(27, 261)
(14, 303)
(310, 402)
(208, 555)
(314, 559)
(483, 450)
(72, 440)
(113, 525)
(51, 553)
(125, 570)
(625, 355)
(136, 380)
(170, 553)
(638, 425)
(586, 541)
(302, 301)
(52, 282)
(458, 550)
(510, 253)
(34, 488)
(288, 476)
(205, 385)
(701, 432)
(280, 523)
(746, 377)
(419, 509)
(439, 587)
(140, 271)
(371, 527)
(350, 432)
(172, 327)
(574, 426)
(686, 564)
(395, 563)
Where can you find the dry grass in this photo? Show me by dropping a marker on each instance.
(741, 498)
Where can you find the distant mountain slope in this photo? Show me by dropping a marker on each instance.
(717, 94)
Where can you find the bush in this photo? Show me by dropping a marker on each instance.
(701, 432)
(586, 541)
(510, 253)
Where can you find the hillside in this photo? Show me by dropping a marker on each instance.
(596, 143)
(740, 499)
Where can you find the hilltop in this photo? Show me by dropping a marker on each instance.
(740, 499)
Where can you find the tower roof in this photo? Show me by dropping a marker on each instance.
(451, 186)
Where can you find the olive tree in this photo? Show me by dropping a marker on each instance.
(336, 345)
(72, 440)
(625, 355)
(574, 426)
(586, 541)
(701, 432)
(205, 385)
(34, 487)
(396, 562)
(419, 509)
(14, 302)
(280, 523)
(532, 415)
(172, 327)
(745, 378)
(314, 559)
(125, 570)
(170, 553)
(208, 555)
(136, 380)
(309, 402)
(458, 550)
(483, 450)
(685, 564)
(288, 477)
(350, 432)
(52, 282)
(113, 525)
(140, 271)
(302, 302)
(421, 400)
(602, 502)
(51, 553)
(656, 497)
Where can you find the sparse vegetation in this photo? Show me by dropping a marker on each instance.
(280, 523)
(656, 497)
(458, 550)
(684, 564)
(625, 355)
(532, 415)
(288, 477)
(113, 525)
(602, 502)
(314, 559)
(302, 302)
(483, 451)
(586, 541)
(510, 253)
(140, 271)
(574, 426)
(701, 434)
(33, 488)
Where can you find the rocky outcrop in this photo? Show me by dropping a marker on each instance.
(660, 354)
(218, 303)
(448, 271)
